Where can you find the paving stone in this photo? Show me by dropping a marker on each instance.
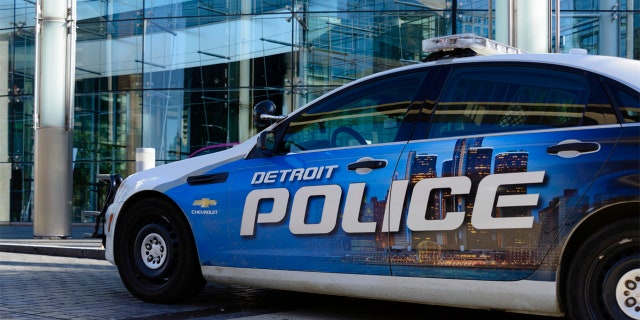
(51, 287)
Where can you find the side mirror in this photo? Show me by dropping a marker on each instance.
(266, 142)
(264, 114)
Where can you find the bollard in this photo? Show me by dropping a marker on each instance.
(145, 158)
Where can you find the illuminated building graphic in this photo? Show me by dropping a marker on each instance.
(478, 166)
(381, 238)
(561, 211)
(466, 246)
(510, 162)
(423, 166)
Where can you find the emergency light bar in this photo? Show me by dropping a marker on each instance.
(466, 43)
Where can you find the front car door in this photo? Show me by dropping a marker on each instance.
(318, 202)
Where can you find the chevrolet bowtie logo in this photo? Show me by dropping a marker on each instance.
(205, 203)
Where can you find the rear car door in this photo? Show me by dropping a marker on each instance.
(318, 202)
(502, 174)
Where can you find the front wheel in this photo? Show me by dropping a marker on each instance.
(604, 280)
(155, 253)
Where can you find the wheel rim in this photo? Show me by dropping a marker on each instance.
(153, 251)
(628, 293)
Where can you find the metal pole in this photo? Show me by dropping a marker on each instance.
(512, 23)
(5, 168)
(630, 28)
(557, 26)
(490, 20)
(549, 26)
(53, 118)
(244, 70)
(454, 17)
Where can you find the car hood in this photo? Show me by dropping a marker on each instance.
(166, 176)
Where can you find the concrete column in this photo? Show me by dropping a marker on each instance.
(244, 104)
(244, 69)
(532, 26)
(134, 134)
(5, 164)
(609, 35)
(504, 22)
(523, 24)
(53, 118)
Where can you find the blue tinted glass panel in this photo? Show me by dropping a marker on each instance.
(495, 99)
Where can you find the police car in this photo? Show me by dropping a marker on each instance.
(507, 182)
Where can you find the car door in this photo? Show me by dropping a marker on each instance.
(317, 203)
(501, 175)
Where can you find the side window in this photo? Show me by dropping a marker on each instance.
(479, 100)
(628, 102)
(370, 113)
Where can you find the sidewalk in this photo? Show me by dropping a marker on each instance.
(18, 238)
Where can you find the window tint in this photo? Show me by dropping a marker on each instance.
(628, 102)
(502, 98)
(368, 114)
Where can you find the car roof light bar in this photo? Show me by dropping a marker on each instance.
(480, 45)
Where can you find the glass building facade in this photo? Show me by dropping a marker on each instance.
(178, 75)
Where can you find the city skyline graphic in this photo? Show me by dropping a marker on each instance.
(467, 246)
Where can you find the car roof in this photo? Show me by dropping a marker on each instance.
(626, 71)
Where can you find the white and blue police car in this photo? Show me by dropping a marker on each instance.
(508, 182)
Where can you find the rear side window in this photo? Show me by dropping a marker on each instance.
(368, 114)
(627, 101)
(478, 100)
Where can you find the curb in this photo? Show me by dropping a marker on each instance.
(70, 252)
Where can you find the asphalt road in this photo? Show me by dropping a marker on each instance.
(36, 286)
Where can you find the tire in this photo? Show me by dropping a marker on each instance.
(604, 279)
(155, 253)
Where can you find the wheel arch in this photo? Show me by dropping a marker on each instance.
(149, 194)
(596, 219)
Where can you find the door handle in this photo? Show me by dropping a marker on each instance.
(367, 164)
(573, 148)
